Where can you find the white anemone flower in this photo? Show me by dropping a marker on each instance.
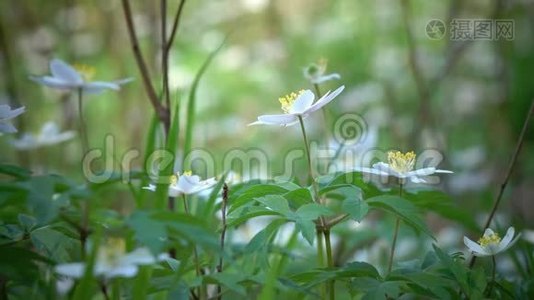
(297, 105)
(315, 73)
(185, 184)
(67, 77)
(490, 243)
(401, 165)
(49, 135)
(6, 114)
(112, 261)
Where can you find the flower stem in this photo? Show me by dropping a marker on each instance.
(330, 260)
(320, 225)
(223, 234)
(507, 176)
(395, 235)
(308, 156)
(195, 253)
(84, 205)
(83, 128)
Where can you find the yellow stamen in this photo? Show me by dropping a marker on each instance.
(111, 251)
(86, 71)
(288, 100)
(401, 162)
(174, 178)
(491, 239)
(188, 173)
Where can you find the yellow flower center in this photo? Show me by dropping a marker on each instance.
(86, 71)
(491, 239)
(111, 251)
(401, 162)
(288, 100)
(174, 178)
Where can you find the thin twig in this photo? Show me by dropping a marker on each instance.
(508, 173)
(175, 24)
(165, 54)
(223, 234)
(424, 115)
(162, 112)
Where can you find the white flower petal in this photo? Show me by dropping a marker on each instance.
(416, 179)
(150, 187)
(54, 82)
(371, 171)
(422, 172)
(325, 100)
(64, 71)
(174, 191)
(324, 78)
(302, 103)
(444, 171)
(475, 248)
(74, 270)
(140, 256)
(383, 167)
(97, 87)
(275, 119)
(6, 113)
(123, 81)
(122, 271)
(507, 241)
(7, 128)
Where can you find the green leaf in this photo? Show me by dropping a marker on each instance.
(244, 214)
(313, 211)
(403, 208)
(230, 281)
(27, 222)
(306, 228)
(351, 196)
(443, 205)
(248, 196)
(148, 231)
(277, 204)
(264, 236)
(15, 171)
(298, 197)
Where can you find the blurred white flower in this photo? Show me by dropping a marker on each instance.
(49, 135)
(64, 285)
(67, 77)
(112, 261)
(401, 165)
(297, 106)
(185, 184)
(490, 243)
(315, 73)
(6, 114)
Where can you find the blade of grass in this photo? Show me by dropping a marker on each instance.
(190, 125)
(170, 147)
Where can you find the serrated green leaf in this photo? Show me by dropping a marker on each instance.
(277, 204)
(403, 208)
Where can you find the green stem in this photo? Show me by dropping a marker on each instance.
(395, 234)
(195, 253)
(84, 205)
(320, 256)
(308, 156)
(83, 128)
(116, 289)
(321, 224)
(330, 260)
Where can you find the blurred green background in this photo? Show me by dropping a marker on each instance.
(465, 99)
